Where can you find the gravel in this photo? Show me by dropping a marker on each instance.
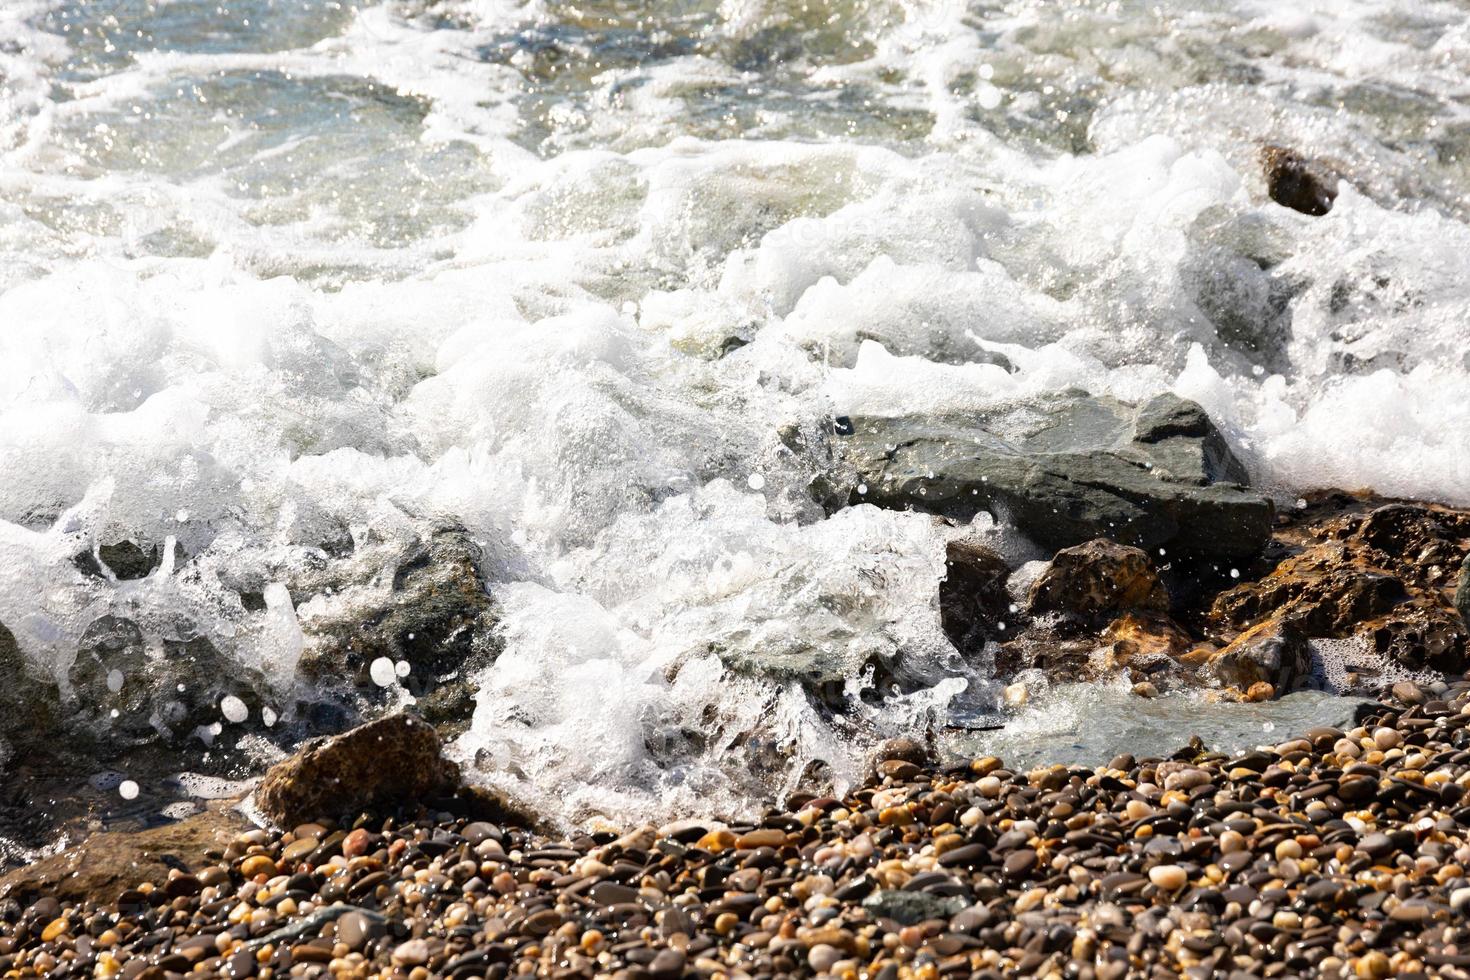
(1337, 853)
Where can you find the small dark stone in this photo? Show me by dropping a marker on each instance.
(612, 893)
(968, 855)
(355, 929)
(1298, 183)
(1019, 863)
(667, 965)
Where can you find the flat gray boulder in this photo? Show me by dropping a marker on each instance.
(1073, 469)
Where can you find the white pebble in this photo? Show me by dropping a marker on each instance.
(127, 789)
(114, 680)
(822, 957)
(1387, 738)
(1169, 877)
(756, 481)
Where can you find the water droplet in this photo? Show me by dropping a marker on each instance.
(127, 789)
(402, 668)
(382, 672)
(862, 488)
(233, 709)
(181, 516)
(756, 481)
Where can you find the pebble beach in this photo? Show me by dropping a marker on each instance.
(856, 489)
(1335, 853)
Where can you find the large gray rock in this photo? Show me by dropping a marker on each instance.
(1073, 469)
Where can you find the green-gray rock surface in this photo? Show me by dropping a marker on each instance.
(1074, 469)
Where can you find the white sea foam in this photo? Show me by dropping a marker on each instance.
(574, 287)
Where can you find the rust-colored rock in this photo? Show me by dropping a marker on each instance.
(1392, 577)
(1274, 653)
(1257, 692)
(1096, 579)
(1385, 575)
(1144, 644)
(903, 749)
(393, 760)
(105, 865)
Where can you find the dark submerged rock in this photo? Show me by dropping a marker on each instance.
(1462, 592)
(167, 696)
(29, 704)
(1074, 469)
(436, 616)
(127, 560)
(972, 596)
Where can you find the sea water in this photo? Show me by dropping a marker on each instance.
(591, 280)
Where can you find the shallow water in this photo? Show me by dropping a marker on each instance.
(1089, 727)
(590, 280)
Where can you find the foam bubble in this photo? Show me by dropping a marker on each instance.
(234, 710)
(382, 671)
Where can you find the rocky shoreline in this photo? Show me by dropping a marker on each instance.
(1335, 853)
(1340, 852)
